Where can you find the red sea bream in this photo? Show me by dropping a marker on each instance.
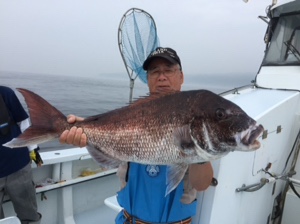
(173, 129)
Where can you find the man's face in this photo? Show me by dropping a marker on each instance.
(164, 76)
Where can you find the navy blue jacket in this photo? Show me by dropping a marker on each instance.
(12, 160)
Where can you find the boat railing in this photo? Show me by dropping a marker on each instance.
(67, 167)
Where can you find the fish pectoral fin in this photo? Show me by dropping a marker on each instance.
(175, 174)
(183, 140)
(103, 158)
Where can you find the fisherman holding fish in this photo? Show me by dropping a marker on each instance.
(143, 194)
(15, 165)
(162, 144)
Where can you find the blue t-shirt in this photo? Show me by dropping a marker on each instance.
(12, 160)
(144, 196)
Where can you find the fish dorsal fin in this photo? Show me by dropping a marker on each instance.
(152, 96)
(103, 158)
(175, 174)
(138, 102)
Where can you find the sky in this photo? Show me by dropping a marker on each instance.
(79, 37)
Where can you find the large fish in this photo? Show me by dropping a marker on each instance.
(173, 129)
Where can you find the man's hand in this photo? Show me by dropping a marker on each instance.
(35, 156)
(74, 136)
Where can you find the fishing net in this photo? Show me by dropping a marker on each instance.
(137, 37)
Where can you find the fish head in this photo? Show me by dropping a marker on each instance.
(223, 127)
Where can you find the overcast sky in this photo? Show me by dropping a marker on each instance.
(79, 37)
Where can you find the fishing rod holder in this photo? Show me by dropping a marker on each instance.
(254, 187)
(264, 181)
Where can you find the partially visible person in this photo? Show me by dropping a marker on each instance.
(15, 164)
(143, 187)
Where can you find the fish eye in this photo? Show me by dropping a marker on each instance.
(220, 113)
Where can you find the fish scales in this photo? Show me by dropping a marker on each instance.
(126, 145)
(124, 133)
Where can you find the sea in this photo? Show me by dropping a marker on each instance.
(91, 95)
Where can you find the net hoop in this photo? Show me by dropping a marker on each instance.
(137, 38)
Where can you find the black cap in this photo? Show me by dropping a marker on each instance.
(162, 52)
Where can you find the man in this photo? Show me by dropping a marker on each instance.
(143, 186)
(15, 164)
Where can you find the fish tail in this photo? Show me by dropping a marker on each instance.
(47, 122)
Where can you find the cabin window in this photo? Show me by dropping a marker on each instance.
(293, 46)
(284, 48)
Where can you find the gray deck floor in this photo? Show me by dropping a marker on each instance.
(100, 215)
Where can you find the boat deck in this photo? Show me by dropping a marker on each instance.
(95, 216)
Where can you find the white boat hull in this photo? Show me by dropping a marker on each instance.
(223, 204)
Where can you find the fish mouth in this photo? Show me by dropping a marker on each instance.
(249, 137)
